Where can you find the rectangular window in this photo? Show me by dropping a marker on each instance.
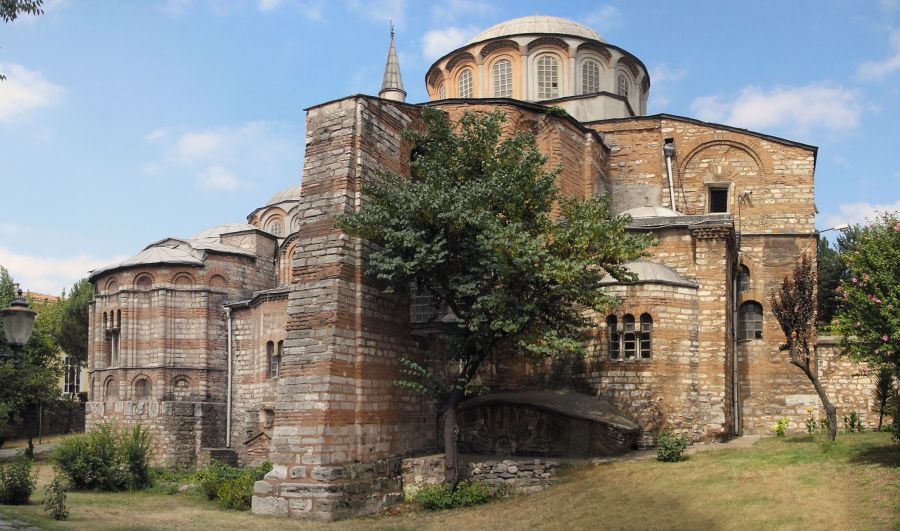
(114, 349)
(718, 200)
(630, 341)
(72, 383)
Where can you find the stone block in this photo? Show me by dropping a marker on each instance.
(269, 506)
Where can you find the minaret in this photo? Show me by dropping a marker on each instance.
(392, 85)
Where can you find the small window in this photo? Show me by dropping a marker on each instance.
(590, 77)
(114, 349)
(744, 280)
(750, 320)
(275, 228)
(646, 328)
(629, 337)
(112, 390)
(622, 84)
(274, 358)
(503, 79)
(442, 91)
(718, 200)
(613, 331)
(547, 77)
(465, 84)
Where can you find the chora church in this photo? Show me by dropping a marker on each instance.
(265, 339)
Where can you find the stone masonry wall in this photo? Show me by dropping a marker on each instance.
(339, 420)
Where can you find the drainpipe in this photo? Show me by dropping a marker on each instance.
(735, 395)
(669, 151)
(228, 391)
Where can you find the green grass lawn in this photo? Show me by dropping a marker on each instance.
(791, 483)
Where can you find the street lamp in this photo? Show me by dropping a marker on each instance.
(18, 323)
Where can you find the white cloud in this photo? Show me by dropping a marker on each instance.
(450, 10)
(604, 18)
(24, 91)
(225, 158)
(269, 5)
(861, 212)
(870, 70)
(219, 178)
(380, 11)
(175, 8)
(436, 43)
(50, 275)
(8, 229)
(661, 76)
(796, 109)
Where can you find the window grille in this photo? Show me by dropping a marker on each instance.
(465, 84)
(622, 85)
(629, 339)
(548, 77)
(750, 320)
(590, 77)
(613, 330)
(744, 280)
(503, 79)
(72, 383)
(646, 328)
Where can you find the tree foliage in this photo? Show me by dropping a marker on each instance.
(71, 328)
(830, 269)
(35, 378)
(794, 306)
(474, 227)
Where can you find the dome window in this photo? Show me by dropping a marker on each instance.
(590, 77)
(465, 84)
(275, 227)
(622, 85)
(547, 77)
(503, 79)
(442, 91)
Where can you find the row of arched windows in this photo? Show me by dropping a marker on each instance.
(548, 80)
(142, 388)
(112, 325)
(145, 282)
(631, 339)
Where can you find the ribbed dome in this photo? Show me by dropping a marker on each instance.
(539, 24)
(651, 272)
(288, 194)
(651, 212)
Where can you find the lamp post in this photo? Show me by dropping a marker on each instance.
(18, 323)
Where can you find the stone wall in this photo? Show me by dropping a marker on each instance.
(340, 423)
(515, 475)
(850, 385)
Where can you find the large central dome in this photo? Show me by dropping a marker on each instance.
(539, 24)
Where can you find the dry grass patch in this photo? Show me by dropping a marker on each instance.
(789, 483)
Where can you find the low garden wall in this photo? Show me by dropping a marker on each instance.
(520, 475)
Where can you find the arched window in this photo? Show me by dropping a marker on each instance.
(442, 91)
(503, 79)
(646, 328)
(622, 84)
(142, 389)
(465, 84)
(112, 390)
(590, 77)
(750, 320)
(613, 331)
(181, 388)
(547, 77)
(744, 280)
(629, 337)
(275, 227)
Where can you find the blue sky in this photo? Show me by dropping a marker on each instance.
(122, 123)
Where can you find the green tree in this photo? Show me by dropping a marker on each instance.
(11, 9)
(830, 269)
(71, 328)
(473, 227)
(884, 394)
(869, 317)
(35, 378)
(794, 306)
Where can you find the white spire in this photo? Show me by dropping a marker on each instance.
(392, 85)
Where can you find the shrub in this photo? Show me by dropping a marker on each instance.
(55, 499)
(780, 427)
(853, 423)
(440, 496)
(17, 482)
(232, 487)
(135, 452)
(670, 447)
(106, 460)
(810, 422)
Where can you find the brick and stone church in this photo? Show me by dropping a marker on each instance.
(265, 340)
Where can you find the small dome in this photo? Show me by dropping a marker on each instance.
(213, 233)
(651, 212)
(539, 24)
(651, 272)
(288, 194)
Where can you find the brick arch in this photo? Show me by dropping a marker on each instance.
(548, 41)
(459, 59)
(749, 145)
(143, 281)
(111, 285)
(598, 49)
(503, 44)
(183, 279)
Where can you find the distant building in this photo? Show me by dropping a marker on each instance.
(267, 338)
(73, 373)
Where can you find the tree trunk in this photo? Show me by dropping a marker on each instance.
(451, 430)
(830, 411)
(880, 416)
